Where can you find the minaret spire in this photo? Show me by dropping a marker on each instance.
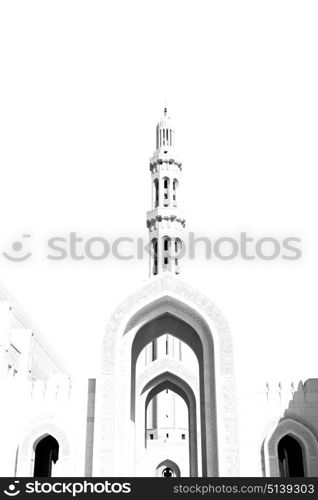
(165, 221)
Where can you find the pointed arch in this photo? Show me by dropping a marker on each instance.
(46, 451)
(175, 188)
(168, 464)
(154, 256)
(171, 381)
(170, 316)
(300, 433)
(290, 457)
(166, 191)
(155, 193)
(158, 296)
(30, 440)
(166, 252)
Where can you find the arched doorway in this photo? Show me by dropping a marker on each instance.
(168, 468)
(173, 383)
(182, 330)
(201, 323)
(290, 457)
(46, 454)
(44, 451)
(290, 449)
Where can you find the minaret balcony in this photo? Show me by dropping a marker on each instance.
(169, 213)
(164, 157)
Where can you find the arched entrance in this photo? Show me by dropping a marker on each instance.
(191, 318)
(290, 457)
(46, 454)
(44, 451)
(174, 383)
(182, 330)
(168, 468)
(290, 450)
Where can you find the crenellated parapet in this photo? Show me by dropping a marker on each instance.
(57, 389)
(291, 393)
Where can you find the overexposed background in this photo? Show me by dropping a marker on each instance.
(82, 87)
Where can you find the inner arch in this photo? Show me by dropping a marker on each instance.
(203, 348)
(166, 323)
(172, 382)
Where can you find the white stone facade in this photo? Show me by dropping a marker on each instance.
(167, 401)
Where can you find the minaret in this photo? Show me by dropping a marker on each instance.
(165, 221)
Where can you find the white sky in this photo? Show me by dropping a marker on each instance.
(82, 87)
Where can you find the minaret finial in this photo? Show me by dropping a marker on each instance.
(165, 108)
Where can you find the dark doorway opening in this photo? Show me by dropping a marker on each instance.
(290, 457)
(167, 472)
(46, 453)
